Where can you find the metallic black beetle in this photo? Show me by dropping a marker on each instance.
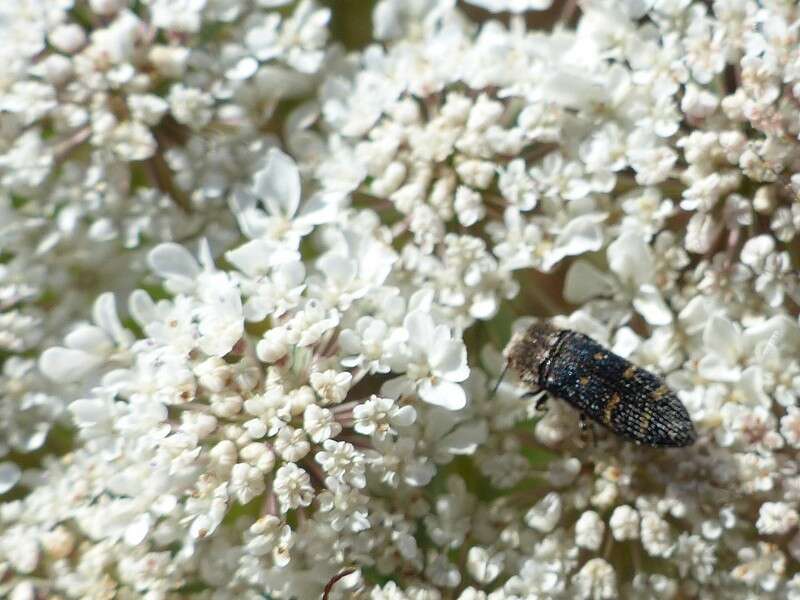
(630, 401)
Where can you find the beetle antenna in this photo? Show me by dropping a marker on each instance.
(499, 381)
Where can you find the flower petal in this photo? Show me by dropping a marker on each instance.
(582, 234)
(584, 281)
(10, 474)
(88, 338)
(723, 338)
(652, 306)
(64, 365)
(278, 184)
(630, 258)
(465, 438)
(138, 529)
(104, 313)
(446, 394)
(405, 416)
(175, 264)
(449, 360)
(420, 328)
(713, 368)
(394, 388)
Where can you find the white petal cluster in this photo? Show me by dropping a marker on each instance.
(125, 124)
(256, 277)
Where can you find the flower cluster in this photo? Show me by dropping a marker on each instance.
(306, 395)
(125, 124)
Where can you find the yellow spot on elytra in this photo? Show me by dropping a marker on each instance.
(629, 372)
(584, 380)
(599, 356)
(660, 392)
(644, 423)
(612, 403)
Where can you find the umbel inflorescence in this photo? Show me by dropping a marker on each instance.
(255, 290)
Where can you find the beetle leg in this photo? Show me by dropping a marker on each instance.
(587, 430)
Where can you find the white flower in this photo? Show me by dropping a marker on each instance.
(380, 417)
(292, 486)
(331, 386)
(558, 179)
(505, 470)
(483, 566)
(449, 434)
(26, 164)
(271, 535)
(793, 588)
(58, 543)
(224, 455)
(343, 462)
(516, 185)
(441, 571)
(556, 426)
(366, 344)
(434, 363)
(206, 511)
(762, 568)
(790, 426)
(589, 530)
(271, 211)
(542, 574)
(696, 556)
(298, 40)
(396, 461)
(184, 15)
(190, 106)
(309, 325)
(771, 268)
(21, 549)
(776, 518)
(725, 348)
(271, 295)
(632, 261)
(220, 316)
(344, 508)
(259, 454)
(132, 141)
(545, 514)
(656, 537)
(468, 206)
(147, 108)
(291, 444)
(651, 159)
(624, 523)
(274, 345)
(247, 482)
(319, 423)
(516, 6)
(596, 580)
(88, 346)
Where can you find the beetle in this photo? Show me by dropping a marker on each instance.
(630, 401)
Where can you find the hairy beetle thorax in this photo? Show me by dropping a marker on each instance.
(529, 350)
